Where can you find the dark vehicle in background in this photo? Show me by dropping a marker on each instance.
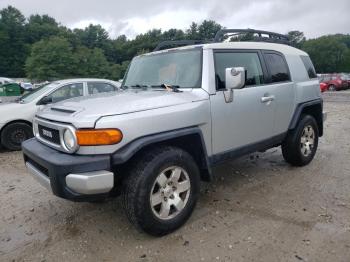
(335, 82)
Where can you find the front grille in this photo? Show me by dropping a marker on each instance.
(49, 134)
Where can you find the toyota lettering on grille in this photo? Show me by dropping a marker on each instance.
(47, 133)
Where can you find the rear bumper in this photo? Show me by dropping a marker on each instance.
(73, 177)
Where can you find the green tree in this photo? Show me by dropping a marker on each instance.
(91, 63)
(208, 29)
(93, 36)
(297, 38)
(40, 27)
(50, 59)
(327, 53)
(13, 49)
(118, 70)
(173, 34)
(119, 47)
(192, 32)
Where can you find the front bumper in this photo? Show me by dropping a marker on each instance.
(73, 177)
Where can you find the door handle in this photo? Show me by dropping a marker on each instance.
(266, 99)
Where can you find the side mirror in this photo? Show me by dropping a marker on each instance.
(45, 100)
(235, 78)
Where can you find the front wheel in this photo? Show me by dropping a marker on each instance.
(14, 134)
(300, 145)
(161, 190)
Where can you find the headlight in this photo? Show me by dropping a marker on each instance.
(69, 139)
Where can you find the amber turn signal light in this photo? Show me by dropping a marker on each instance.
(98, 137)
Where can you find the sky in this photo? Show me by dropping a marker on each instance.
(131, 17)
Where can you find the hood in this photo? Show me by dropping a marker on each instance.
(84, 111)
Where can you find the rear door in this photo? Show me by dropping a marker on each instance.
(283, 90)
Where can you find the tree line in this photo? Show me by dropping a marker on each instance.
(40, 48)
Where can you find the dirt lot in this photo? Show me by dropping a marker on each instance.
(258, 209)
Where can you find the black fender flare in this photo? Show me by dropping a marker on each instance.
(124, 154)
(301, 107)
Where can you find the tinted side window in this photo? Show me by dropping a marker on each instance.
(278, 67)
(309, 66)
(95, 88)
(250, 61)
(66, 92)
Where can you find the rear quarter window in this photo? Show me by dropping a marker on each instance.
(309, 67)
(277, 67)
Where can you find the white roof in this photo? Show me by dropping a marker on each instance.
(284, 49)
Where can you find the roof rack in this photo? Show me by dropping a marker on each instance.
(253, 35)
(256, 35)
(178, 43)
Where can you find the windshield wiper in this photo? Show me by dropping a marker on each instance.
(174, 88)
(134, 86)
(139, 86)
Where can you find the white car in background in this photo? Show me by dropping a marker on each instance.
(16, 117)
(5, 80)
(27, 86)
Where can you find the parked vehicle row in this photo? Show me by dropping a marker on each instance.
(16, 117)
(334, 82)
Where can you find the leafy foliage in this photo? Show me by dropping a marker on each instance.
(50, 59)
(13, 48)
(297, 38)
(328, 53)
(42, 49)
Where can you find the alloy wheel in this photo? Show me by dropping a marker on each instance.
(170, 193)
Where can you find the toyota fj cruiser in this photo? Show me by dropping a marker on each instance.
(183, 110)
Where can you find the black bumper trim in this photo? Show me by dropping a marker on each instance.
(59, 165)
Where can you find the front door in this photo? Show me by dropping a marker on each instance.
(249, 118)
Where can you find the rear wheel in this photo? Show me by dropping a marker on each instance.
(162, 190)
(300, 145)
(14, 134)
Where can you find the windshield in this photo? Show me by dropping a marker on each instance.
(174, 68)
(32, 95)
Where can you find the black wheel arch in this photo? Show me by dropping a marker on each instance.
(189, 139)
(313, 108)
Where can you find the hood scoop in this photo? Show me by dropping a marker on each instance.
(63, 110)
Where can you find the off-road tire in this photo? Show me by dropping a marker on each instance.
(137, 187)
(14, 134)
(292, 148)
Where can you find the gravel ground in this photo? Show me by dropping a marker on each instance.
(258, 209)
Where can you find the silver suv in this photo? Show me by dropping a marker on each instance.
(183, 110)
